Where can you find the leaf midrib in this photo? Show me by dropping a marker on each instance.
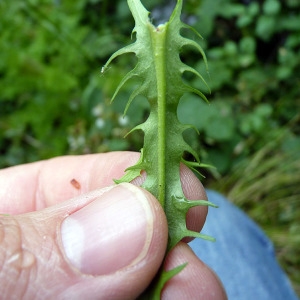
(159, 57)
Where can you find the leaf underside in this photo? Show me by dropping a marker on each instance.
(159, 72)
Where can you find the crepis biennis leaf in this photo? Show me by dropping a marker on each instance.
(159, 71)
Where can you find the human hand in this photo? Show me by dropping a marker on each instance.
(69, 233)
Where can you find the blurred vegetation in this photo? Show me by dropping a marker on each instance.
(54, 100)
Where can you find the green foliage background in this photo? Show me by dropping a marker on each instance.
(54, 100)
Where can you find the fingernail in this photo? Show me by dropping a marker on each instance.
(110, 233)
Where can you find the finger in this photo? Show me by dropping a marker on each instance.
(52, 181)
(38, 185)
(107, 244)
(195, 281)
(193, 190)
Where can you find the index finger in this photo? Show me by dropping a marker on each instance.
(41, 184)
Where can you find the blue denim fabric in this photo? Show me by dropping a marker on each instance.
(242, 256)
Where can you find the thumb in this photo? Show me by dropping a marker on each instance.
(107, 244)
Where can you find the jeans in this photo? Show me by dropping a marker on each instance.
(242, 256)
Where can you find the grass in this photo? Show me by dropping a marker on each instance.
(267, 187)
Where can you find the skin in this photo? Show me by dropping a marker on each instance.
(37, 198)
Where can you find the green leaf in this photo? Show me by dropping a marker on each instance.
(271, 7)
(265, 26)
(159, 72)
(154, 290)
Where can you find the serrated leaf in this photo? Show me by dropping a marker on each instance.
(159, 71)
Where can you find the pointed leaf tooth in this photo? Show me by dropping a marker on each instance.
(207, 166)
(194, 164)
(138, 127)
(193, 167)
(190, 150)
(140, 163)
(127, 49)
(127, 77)
(133, 171)
(193, 203)
(133, 32)
(188, 42)
(197, 172)
(183, 233)
(190, 233)
(187, 68)
(128, 176)
(175, 16)
(136, 92)
(183, 204)
(171, 273)
(197, 92)
(184, 25)
(161, 280)
(137, 166)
